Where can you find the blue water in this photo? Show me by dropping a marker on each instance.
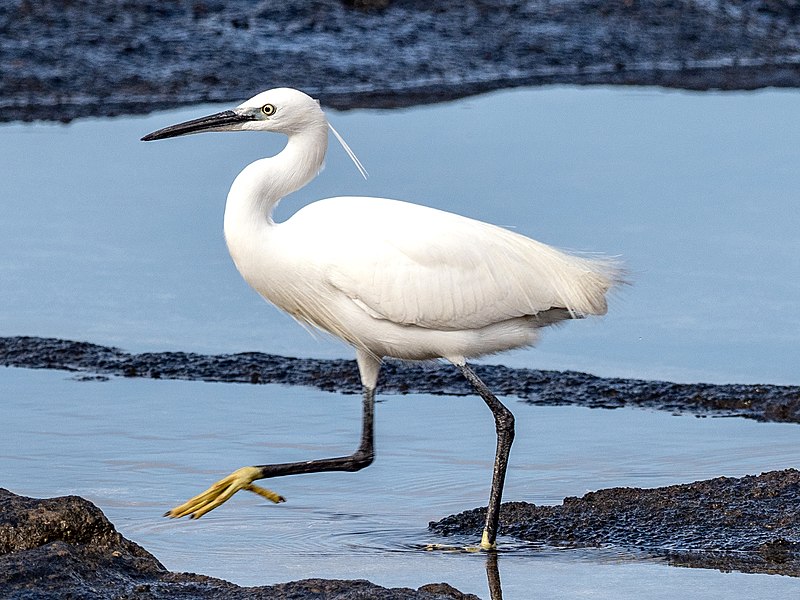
(114, 241)
(138, 447)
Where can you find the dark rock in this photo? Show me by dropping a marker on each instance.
(66, 548)
(749, 524)
(760, 402)
(64, 60)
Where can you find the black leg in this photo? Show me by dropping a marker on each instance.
(242, 479)
(504, 425)
(361, 458)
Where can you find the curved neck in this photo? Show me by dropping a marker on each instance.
(260, 186)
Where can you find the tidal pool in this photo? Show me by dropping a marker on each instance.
(109, 240)
(137, 447)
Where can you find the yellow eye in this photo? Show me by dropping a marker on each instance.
(268, 109)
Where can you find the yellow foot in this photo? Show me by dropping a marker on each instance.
(220, 492)
(485, 543)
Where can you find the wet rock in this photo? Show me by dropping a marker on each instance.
(749, 524)
(28, 524)
(90, 362)
(66, 548)
(63, 60)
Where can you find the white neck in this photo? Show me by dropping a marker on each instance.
(260, 186)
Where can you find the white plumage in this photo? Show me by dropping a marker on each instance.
(412, 282)
(388, 277)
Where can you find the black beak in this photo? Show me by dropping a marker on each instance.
(216, 122)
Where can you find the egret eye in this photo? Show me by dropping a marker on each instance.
(268, 109)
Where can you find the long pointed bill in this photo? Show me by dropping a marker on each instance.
(221, 121)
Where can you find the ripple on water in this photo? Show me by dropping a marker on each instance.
(336, 534)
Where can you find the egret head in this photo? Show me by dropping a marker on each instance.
(282, 110)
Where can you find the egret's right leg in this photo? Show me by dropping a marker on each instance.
(242, 479)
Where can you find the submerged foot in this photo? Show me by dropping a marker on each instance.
(220, 492)
(451, 549)
(488, 542)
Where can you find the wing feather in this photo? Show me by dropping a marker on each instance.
(414, 265)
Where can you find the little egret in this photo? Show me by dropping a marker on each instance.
(391, 279)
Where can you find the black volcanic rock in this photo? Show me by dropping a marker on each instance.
(64, 60)
(66, 548)
(760, 402)
(749, 524)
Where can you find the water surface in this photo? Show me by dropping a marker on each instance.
(119, 242)
(114, 241)
(138, 447)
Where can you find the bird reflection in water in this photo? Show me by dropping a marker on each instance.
(493, 576)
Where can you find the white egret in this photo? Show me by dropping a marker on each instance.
(391, 279)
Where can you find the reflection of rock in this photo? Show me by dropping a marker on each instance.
(749, 524)
(65, 547)
(63, 60)
(761, 402)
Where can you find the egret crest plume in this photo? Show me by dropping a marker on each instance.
(350, 153)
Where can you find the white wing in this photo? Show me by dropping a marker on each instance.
(415, 265)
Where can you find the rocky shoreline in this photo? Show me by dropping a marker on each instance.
(65, 60)
(544, 388)
(749, 524)
(66, 548)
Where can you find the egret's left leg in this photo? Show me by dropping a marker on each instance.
(504, 425)
(242, 479)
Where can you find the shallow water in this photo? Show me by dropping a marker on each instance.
(110, 240)
(118, 242)
(137, 447)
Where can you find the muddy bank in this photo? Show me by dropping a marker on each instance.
(63, 60)
(750, 524)
(91, 361)
(66, 548)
